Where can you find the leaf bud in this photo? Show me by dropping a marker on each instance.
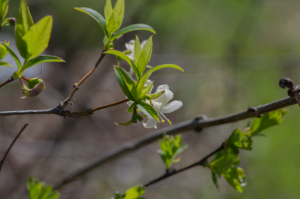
(36, 86)
(11, 21)
(286, 82)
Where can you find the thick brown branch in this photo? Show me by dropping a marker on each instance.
(65, 103)
(175, 129)
(7, 81)
(6, 153)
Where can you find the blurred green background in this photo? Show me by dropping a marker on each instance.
(233, 52)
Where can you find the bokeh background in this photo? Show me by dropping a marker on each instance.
(233, 52)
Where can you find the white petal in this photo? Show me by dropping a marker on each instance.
(162, 88)
(131, 72)
(143, 43)
(129, 103)
(130, 46)
(165, 97)
(171, 107)
(156, 105)
(147, 84)
(151, 123)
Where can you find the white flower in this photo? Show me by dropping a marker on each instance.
(130, 47)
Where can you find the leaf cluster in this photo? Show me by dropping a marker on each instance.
(136, 91)
(226, 161)
(112, 22)
(170, 148)
(132, 193)
(38, 190)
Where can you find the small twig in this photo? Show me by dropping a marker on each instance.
(174, 172)
(65, 103)
(172, 130)
(7, 81)
(7, 151)
(61, 112)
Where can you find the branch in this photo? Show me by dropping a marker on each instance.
(65, 103)
(6, 153)
(60, 111)
(196, 124)
(7, 81)
(174, 172)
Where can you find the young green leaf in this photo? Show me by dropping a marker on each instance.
(38, 190)
(137, 50)
(42, 59)
(147, 49)
(3, 52)
(13, 54)
(127, 59)
(3, 10)
(2, 63)
(125, 83)
(23, 24)
(133, 27)
(95, 15)
(129, 82)
(124, 124)
(236, 178)
(38, 36)
(110, 24)
(142, 92)
(170, 147)
(134, 192)
(119, 13)
(148, 110)
(267, 120)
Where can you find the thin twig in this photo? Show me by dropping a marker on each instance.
(61, 112)
(175, 129)
(7, 81)
(65, 103)
(7, 151)
(174, 172)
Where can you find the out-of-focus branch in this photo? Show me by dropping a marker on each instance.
(7, 81)
(61, 112)
(196, 124)
(6, 153)
(174, 172)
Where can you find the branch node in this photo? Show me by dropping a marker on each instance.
(252, 109)
(76, 86)
(197, 119)
(90, 111)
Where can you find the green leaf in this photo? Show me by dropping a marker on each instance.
(142, 92)
(236, 178)
(119, 13)
(12, 53)
(108, 13)
(215, 179)
(131, 28)
(147, 49)
(139, 55)
(3, 52)
(267, 120)
(38, 36)
(95, 15)
(127, 84)
(2, 63)
(42, 59)
(124, 124)
(170, 147)
(3, 10)
(23, 24)
(126, 58)
(111, 24)
(154, 95)
(131, 108)
(148, 110)
(239, 139)
(137, 49)
(38, 190)
(134, 192)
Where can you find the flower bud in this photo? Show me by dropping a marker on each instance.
(11, 21)
(36, 86)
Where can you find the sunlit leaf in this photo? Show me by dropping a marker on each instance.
(95, 15)
(119, 13)
(148, 110)
(13, 54)
(42, 59)
(131, 28)
(38, 190)
(23, 24)
(38, 36)
(134, 192)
